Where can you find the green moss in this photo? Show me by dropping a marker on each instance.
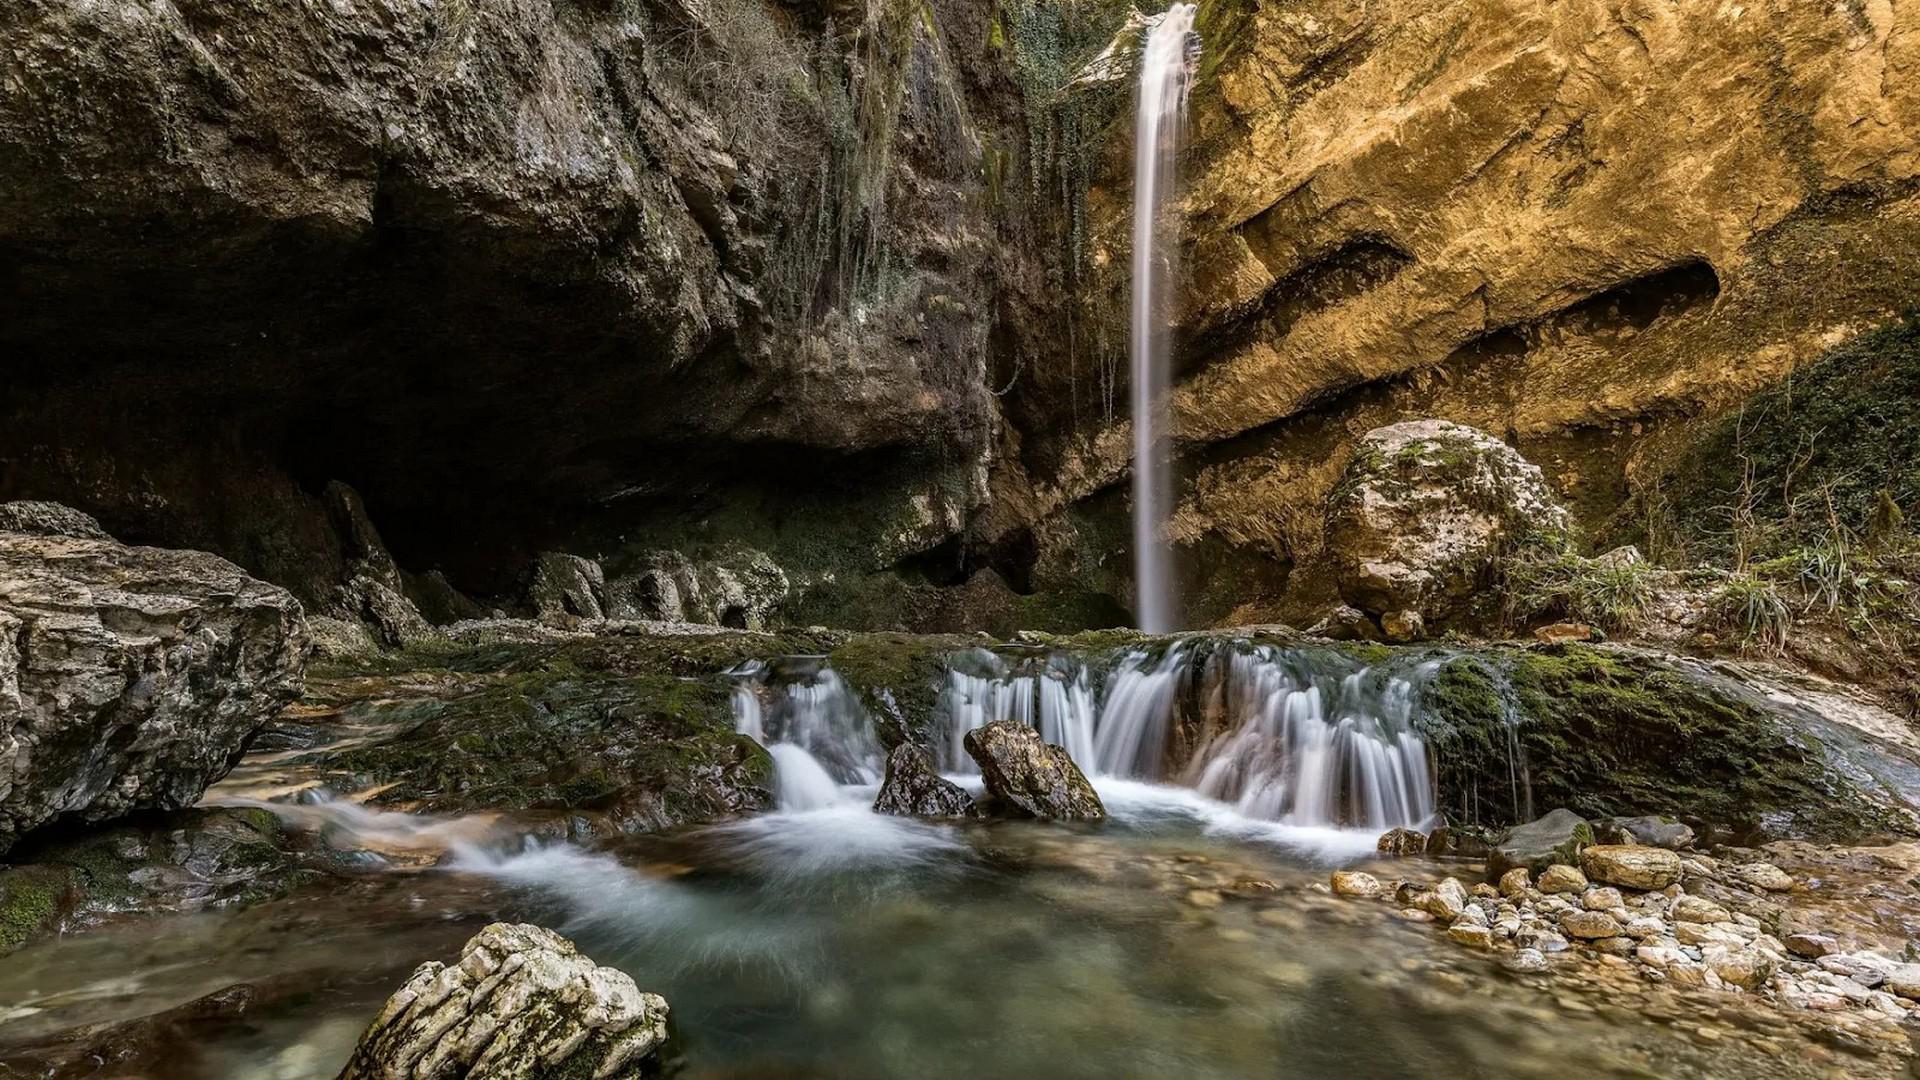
(899, 678)
(1370, 653)
(566, 740)
(1828, 447)
(1613, 733)
(1222, 26)
(31, 901)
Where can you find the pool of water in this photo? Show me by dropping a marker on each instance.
(1177, 940)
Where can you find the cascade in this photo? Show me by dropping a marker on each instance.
(1166, 68)
(1300, 736)
(1051, 694)
(812, 724)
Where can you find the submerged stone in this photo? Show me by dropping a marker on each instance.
(1354, 883)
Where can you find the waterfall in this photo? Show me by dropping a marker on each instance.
(1166, 68)
(1300, 736)
(1051, 694)
(1309, 746)
(813, 725)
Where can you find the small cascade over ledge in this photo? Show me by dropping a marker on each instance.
(1302, 736)
(814, 727)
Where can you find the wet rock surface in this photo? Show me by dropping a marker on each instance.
(631, 752)
(262, 223)
(165, 1044)
(913, 788)
(130, 677)
(167, 864)
(1613, 731)
(521, 1001)
(1029, 777)
(1557, 837)
(1824, 953)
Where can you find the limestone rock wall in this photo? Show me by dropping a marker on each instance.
(519, 271)
(1569, 224)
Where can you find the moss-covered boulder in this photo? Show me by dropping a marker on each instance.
(899, 678)
(175, 862)
(1556, 839)
(1609, 732)
(643, 751)
(1421, 514)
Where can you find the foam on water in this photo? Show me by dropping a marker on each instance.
(349, 825)
(1152, 807)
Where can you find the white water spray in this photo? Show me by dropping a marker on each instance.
(816, 730)
(1166, 68)
(1306, 739)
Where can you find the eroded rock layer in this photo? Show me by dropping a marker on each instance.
(1566, 224)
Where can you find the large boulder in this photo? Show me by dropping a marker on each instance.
(914, 788)
(1424, 510)
(130, 677)
(1611, 732)
(520, 1002)
(1030, 777)
(566, 587)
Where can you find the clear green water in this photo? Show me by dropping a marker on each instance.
(839, 944)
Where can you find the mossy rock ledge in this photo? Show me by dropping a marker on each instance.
(640, 752)
(1612, 732)
(181, 861)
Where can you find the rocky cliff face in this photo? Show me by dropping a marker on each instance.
(1568, 224)
(516, 270)
(845, 284)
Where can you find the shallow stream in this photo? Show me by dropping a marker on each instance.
(1179, 939)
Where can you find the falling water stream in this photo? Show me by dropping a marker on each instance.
(1301, 737)
(1166, 68)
